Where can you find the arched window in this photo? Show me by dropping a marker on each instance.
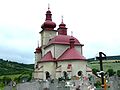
(79, 73)
(65, 75)
(47, 75)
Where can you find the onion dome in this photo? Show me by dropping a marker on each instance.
(63, 39)
(62, 30)
(37, 50)
(48, 24)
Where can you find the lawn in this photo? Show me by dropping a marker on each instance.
(1, 88)
(11, 76)
(106, 65)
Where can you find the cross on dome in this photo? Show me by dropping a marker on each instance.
(48, 6)
(48, 24)
(71, 33)
(62, 19)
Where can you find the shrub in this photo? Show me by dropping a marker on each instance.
(6, 80)
(98, 84)
(111, 72)
(118, 73)
(94, 71)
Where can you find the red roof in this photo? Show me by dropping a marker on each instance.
(47, 57)
(63, 39)
(48, 24)
(62, 30)
(38, 50)
(71, 54)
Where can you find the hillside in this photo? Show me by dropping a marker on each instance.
(10, 68)
(107, 64)
(108, 58)
(111, 62)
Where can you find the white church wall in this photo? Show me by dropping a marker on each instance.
(40, 75)
(37, 58)
(60, 49)
(56, 50)
(58, 74)
(77, 66)
(46, 36)
(43, 51)
(39, 71)
(35, 74)
(50, 48)
(49, 67)
(35, 61)
(79, 49)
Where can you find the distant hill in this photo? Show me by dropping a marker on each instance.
(106, 65)
(107, 58)
(10, 67)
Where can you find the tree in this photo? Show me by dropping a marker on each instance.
(118, 73)
(6, 80)
(111, 72)
(16, 79)
(98, 84)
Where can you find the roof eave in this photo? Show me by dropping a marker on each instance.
(47, 30)
(72, 59)
(61, 44)
(46, 61)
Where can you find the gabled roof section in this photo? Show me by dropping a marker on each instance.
(47, 57)
(71, 54)
(63, 39)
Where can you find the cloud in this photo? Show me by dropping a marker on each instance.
(94, 23)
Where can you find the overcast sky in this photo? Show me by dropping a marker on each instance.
(95, 23)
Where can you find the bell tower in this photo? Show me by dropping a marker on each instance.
(38, 55)
(62, 30)
(48, 31)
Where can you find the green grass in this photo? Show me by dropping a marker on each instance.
(1, 88)
(10, 68)
(11, 76)
(106, 65)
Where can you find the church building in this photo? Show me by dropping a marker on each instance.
(59, 53)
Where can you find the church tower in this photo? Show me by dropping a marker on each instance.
(48, 31)
(38, 55)
(62, 30)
